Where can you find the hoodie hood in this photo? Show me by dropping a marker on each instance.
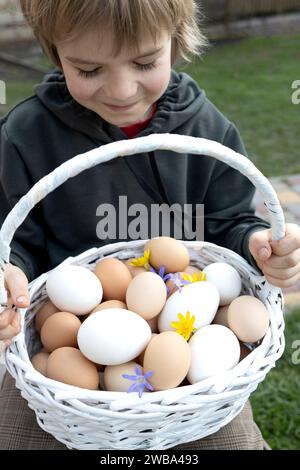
(181, 102)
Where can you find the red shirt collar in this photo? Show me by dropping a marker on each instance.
(133, 129)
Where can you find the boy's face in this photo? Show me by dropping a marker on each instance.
(120, 89)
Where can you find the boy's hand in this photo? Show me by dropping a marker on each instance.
(18, 296)
(278, 260)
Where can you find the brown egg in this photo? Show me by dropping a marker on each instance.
(221, 317)
(109, 304)
(39, 362)
(44, 312)
(134, 270)
(70, 366)
(113, 380)
(60, 330)
(114, 277)
(140, 358)
(248, 318)
(153, 323)
(168, 252)
(192, 270)
(168, 356)
(146, 295)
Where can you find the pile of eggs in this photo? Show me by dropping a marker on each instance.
(144, 324)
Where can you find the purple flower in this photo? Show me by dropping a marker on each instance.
(177, 280)
(140, 381)
(161, 274)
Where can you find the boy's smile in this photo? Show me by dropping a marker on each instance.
(121, 89)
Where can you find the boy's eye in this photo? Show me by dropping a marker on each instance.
(88, 73)
(149, 66)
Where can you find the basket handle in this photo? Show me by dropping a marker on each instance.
(173, 142)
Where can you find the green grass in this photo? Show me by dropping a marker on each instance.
(15, 92)
(250, 82)
(276, 402)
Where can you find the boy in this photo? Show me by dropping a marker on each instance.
(114, 82)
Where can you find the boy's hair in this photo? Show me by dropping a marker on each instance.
(56, 20)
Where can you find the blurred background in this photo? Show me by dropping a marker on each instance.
(248, 72)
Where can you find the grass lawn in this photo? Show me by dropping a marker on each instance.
(276, 402)
(250, 82)
(15, 92)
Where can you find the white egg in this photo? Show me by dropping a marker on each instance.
(215, 349)
(227, 280)
(199, 298)
(113, 336)
(74, 289)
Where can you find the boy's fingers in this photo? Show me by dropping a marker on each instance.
(287, 261)
(283, 283)
(17, 284)
(6, 318)
(16, 321)
(9, 332)
(284, 247)
(281, 273)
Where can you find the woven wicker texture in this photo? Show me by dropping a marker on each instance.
(84, 419)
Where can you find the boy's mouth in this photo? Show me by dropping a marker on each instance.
(120, 108)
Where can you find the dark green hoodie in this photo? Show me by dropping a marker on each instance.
(49, 128)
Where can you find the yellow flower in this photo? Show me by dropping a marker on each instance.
(195, 277)
(143, 261)
(185, 325)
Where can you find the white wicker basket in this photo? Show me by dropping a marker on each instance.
(84, 419)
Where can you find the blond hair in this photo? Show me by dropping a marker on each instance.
(57, 20)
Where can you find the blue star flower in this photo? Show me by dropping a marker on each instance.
(140, 381)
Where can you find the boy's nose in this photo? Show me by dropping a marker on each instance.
(121, 92)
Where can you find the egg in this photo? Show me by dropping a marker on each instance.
(146, 295)
(192, 270)
(134, 270)
(214, 350)
(59, 330)
(152, 322)
(248, 318)
(39, 362)
(70, 366)
(227, 280)
(201, 299)
(115, 278)
(221, 317)
(43, 313)
(140, 358)
(109, 304)
(168, 252)
(113, 336)
(74, 289)
(113, 380)
(168, 356)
